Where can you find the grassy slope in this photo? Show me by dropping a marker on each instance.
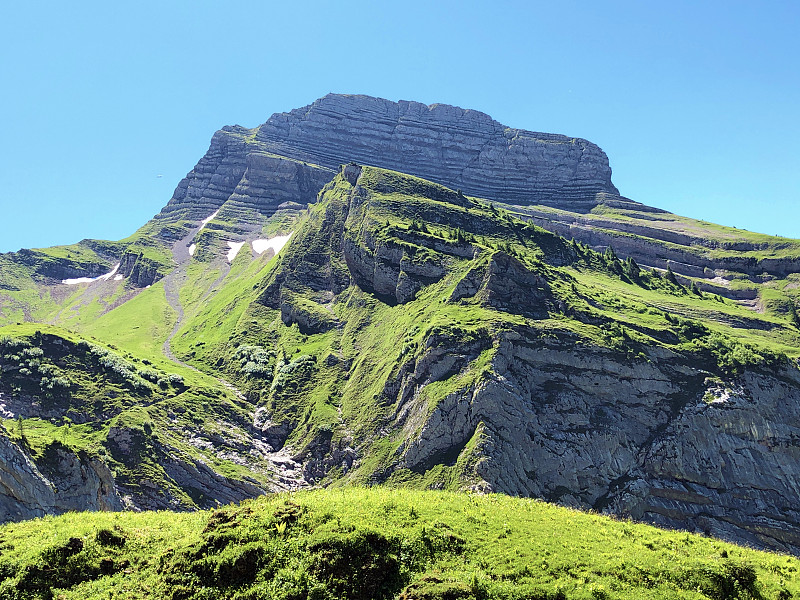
(705, 240)
(378, 543)
(331, 383)
(718, 239)
(156, 400)
(339, 390)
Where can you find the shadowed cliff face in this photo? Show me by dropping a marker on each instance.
(648, 439)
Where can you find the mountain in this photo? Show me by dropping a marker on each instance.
(364, 292)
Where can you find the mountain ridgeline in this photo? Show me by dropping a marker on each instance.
(362, 292)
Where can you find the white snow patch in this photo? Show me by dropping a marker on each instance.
(192, 248)
(77, 280)
(276, 243)
(119, 277)
(106, 277)
(234, 250)
(110, 274)
(207, 220)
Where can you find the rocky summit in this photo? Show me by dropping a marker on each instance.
(286, 158)
(370, 293)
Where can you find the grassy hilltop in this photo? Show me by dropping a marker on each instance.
(362, 544)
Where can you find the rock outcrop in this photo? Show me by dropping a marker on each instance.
(462, 149)
(686, 251)
(24, 492)
(247, 173)
(652, 439)
(64, 481)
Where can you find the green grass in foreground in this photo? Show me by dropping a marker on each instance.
(377, 543)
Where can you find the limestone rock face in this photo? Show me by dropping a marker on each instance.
(388, 271)
(685, 253)
(66, 481)
(506, 284)
(650, 439)
(81, 482)
(214, 178)
(139, 270)
(459, 148)
(247, 172)
(269, 181)
(24, 492)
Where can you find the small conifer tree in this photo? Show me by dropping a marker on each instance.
(795, 318)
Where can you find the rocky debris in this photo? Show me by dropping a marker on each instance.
(272, 433)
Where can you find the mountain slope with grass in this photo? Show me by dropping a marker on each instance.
(87, 426)
(286, 322)
(414, 336)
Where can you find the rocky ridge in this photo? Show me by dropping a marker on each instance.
(652, 432)
(651, 237)
(247, 173)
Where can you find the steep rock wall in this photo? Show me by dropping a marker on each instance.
(292, 155)
(653, 439)
(459, 148)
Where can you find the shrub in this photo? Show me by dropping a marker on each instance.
(254, 361)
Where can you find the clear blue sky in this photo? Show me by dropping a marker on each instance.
(696, 103)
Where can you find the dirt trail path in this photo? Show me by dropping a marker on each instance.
(288, 473)
(172, 285)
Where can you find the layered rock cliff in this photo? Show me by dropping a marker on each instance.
(653, 439)
(459, 148)
(62, 481)
(247, 173)
(293, 154)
